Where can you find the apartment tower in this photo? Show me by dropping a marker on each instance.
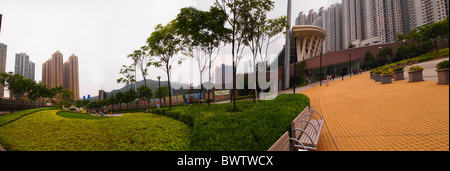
(71, 76)
(2, 65)
(24, 66)
(56, 73)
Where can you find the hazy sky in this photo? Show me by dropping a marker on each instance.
(102, 33)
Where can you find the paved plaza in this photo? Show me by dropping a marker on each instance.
(363, 115)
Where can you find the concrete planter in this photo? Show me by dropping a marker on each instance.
(386, 79)
(399, 75)
(415, 76)
(377, 77)
(443, 76)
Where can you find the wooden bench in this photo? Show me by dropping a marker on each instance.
(306, 128)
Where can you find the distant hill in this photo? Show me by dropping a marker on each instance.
(152, 84)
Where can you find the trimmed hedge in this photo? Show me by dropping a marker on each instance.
(255, 128)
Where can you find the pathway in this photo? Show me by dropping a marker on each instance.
(363, 115)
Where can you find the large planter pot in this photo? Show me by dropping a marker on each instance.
(399, 75)
(415, 76)
(443, 76)
(377, 77)
(386, 79)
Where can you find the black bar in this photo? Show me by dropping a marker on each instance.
(1, 22)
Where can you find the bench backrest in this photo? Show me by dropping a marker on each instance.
(282, 144)
(296, 123)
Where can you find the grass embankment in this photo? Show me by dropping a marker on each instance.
(255, 127)
(442, 53)
(8, 118)
(46, 131)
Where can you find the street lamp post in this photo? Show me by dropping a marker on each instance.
(350, 60)
(159, 84)
(321, 73)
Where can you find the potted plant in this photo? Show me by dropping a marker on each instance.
(415, 74)
(409, 63)
(377, 75)
(399, 73)
(403, 63)
(386, 75)
(443, 72)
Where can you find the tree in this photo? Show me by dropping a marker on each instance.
(273, 28)
(129, 96)
(239, 13)
(445, 30)
(203, 33)
(164, 44)
(120, 98)
(259, 30)
(432, 32)
(145, 93)
(162, 93)
(66, 97)
(15, 84)
(128, 75)
(402, 53)
(141, 59)
(369, 60)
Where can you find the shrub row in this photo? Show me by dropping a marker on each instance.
(254, 128)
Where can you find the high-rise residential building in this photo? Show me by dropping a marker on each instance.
(56, 73)
(369, 22)
(352, 22)
(71, 80)
(426, 12)
(3, 48)
(24, 66)
(101, 95)
(332, 23)
(301, 19)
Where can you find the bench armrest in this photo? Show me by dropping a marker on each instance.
(304, 132)
(317, 113)
(297, 141)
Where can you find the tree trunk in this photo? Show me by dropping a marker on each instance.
(233, 95)
(170, 89)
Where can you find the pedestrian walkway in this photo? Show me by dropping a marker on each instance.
(363, 115)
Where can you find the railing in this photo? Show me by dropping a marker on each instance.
(7, 105)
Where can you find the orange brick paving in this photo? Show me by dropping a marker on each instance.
(363, 115)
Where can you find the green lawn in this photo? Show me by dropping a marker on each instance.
(255, 127)
(76, 115)
(46, 131)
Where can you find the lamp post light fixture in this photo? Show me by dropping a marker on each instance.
(160, 96)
